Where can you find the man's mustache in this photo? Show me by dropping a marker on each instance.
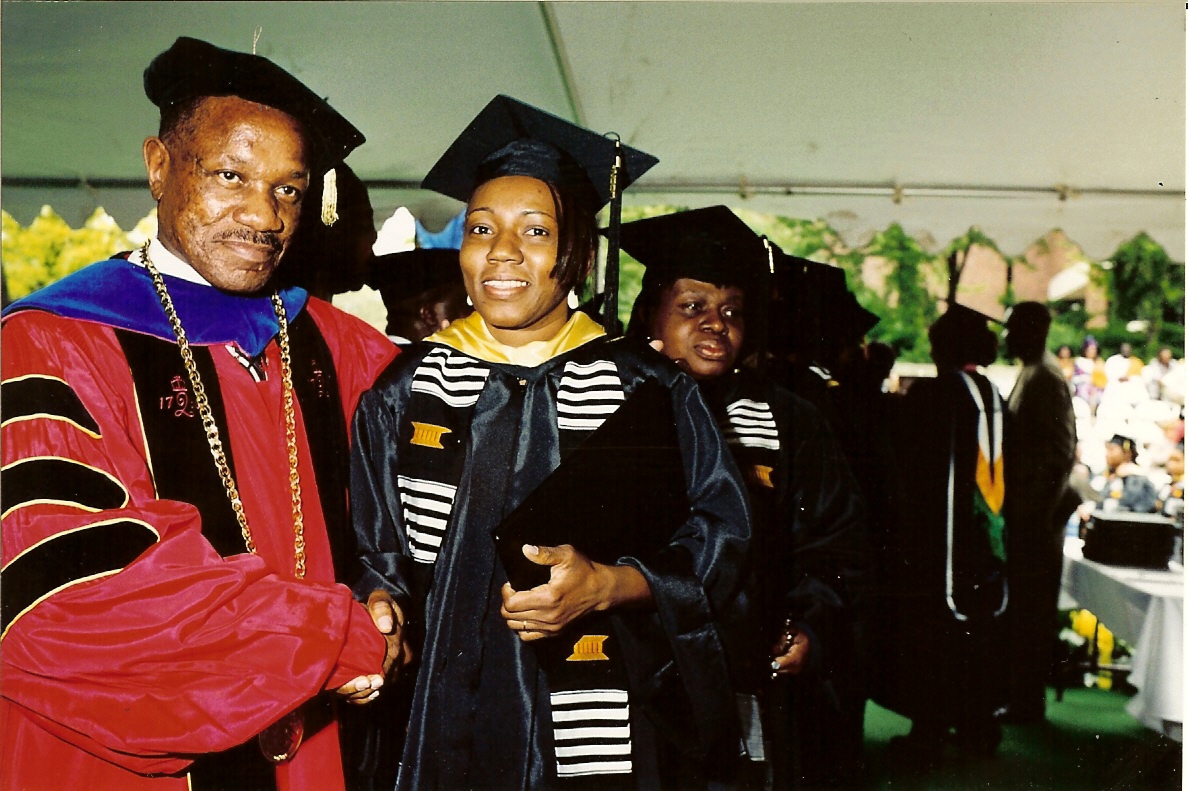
(262, 238)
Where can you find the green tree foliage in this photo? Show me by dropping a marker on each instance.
(906, 307)
(1143, 286)
(957, 253)
(49, 249)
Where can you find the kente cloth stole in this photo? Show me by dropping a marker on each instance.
(183, 470)
(590, 703)
(989, 470)
(749, 428)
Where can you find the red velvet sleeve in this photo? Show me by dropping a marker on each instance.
(125, 632)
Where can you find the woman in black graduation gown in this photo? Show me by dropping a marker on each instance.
(462, 428)
(704, 295)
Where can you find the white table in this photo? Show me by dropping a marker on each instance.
(1145, 608)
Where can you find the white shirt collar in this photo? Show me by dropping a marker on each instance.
(167, 263)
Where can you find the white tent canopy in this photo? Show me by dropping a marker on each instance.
(1014, 117)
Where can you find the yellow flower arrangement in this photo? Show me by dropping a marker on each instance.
(1083, 623)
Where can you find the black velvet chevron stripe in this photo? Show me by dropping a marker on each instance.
(176, 442)
(97, 549)
(59, 480)
(32, 396)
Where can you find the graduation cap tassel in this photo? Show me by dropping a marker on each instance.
(330, 198)
(764, 331)
(610, 291)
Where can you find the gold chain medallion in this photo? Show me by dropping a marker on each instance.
(279, 741)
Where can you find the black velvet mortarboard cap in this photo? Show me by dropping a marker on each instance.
(964, 319)
(711, 245)
(192, 68)
(510, 138)
(813, 302)
(412, 272)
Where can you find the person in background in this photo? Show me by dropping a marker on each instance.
(422, 290)
(1065, 361)
(1043, 447)
(1123, 486)
(1089, 376)
(174, 477)
(1118, 366)
(470, 423)
(1159, 367)
(803, 338)
(704, 296)
(1173, 490)
(945, 568)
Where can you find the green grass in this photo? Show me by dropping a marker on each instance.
(1088, 743)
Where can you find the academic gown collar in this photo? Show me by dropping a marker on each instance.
(471, 336)
(120, 294)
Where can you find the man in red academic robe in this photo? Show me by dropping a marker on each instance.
(174, 511)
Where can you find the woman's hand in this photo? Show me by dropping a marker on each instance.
(576, 587)
(790, 652)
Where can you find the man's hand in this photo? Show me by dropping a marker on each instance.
(389, 620)
(790, 652)
(361, 689)
(576, 586)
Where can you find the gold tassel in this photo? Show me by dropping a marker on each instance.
(330, 197)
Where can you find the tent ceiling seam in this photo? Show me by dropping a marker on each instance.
(891, 191)
(562, 59)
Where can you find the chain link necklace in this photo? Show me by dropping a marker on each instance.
(279, 741)
(212, 429)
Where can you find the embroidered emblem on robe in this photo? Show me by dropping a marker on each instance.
(428, 435)
(589, 649)
(761, 473)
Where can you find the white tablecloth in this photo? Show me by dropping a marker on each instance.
(1146, 609)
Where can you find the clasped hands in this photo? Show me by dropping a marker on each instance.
(390, 621)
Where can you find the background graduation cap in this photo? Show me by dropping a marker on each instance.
(510, 138)
(413, 272)
(961, 335)
(812, 307)
(1125, 443)
(191, 68)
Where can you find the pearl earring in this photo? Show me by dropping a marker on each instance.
(572, 300)
(468, 301)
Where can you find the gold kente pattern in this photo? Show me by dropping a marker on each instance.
(428, 435)
(762, 474)
(589, 649)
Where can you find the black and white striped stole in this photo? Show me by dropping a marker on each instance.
(751, 424)
(433, 430)
(591, 732)
(587, 395)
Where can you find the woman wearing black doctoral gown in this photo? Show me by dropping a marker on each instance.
(704, 296)
(461, 429)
